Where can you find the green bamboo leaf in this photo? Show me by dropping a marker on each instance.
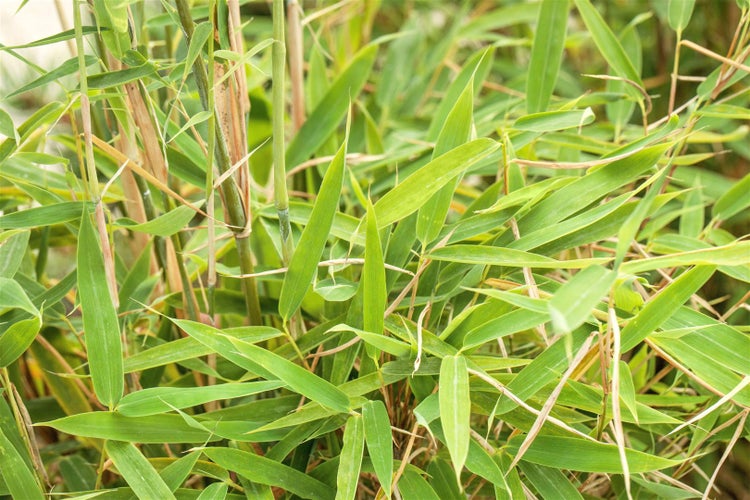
(415, 190)
(734, 254)
(549, 121)
(378, 340)
(455, 409)
(627, 389)
(163, 399)
(47, 215)
(546, 54)
(197, 41)
(350, 461)
(137, 471)
(379, 441)
(67, 68)
(12, 295)
(178, 471)
(608, 44)
(165, 225)
(100, 323)
(194, 120)
(77, 473)
(692, 219)
(57, 37)
(477, 67)
(663, 305)
(214, 491)
(68, 394)
(17, 338)
(272, 365)
(413, 486)
(679, 13)
(499, 256)
(455, 131)
(332, 108)
(188, 348)
(573, 302)
(585, 190)
(731, 202)
(265, 471)
(304, 262)
(587, 456)
(7, 128)
(502, 326)
(113, 426)
(549, 482)
(112, 16)
(18, 476)
(116, 78)
(374, 294)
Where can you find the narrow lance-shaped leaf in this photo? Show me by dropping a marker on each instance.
(350, 461)
(573, 302)
(679, 13)
(304, 262)
(297, 378)
(18, 476)
(546, 54)
(415, 190)
(455, 409)
(100, 324)
(265, 471)
(332, 108)
(137, 471)
(588, 456)
(664, 305)
(608, 44)
(373, 281)
(379, 441)
(456, 131)
(12, 251)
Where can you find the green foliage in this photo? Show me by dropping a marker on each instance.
(514, 261)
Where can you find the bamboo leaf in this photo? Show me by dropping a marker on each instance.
(304, 262)
(549, 121)
(163, 399)
(607, 43)
(47, 215)
(350, 460)
(165, 225)
(546, 54)
(137, 471)
(264, 471)
(197, 41)
(499, 256)
(455, 409)
(272, 365)
(379, 441)
(455, 131)
(12, 251)
(148, 429)
(101, 327)
(731, 202)
(587, 456)
(413, 486)
(573, 302)
(415, 190)
(332, 108)
(374, 294)
(18, 476)
(679, 13)
(67, 68)
(663, 305)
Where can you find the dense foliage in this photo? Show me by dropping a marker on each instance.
(365, 249)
